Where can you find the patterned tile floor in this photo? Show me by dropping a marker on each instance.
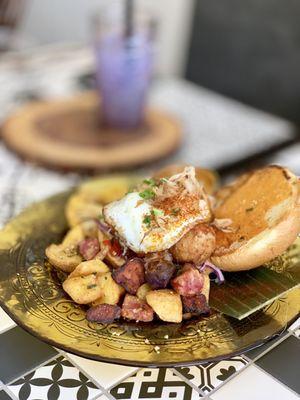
(31, 370)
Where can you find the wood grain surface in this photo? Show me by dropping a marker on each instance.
(69, 134)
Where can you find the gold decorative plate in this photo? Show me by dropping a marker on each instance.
(32, 295)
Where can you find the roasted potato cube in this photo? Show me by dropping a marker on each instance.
(63, 258)
(73, 236)
(79, 209)
(90, 267)
(114, 260)
(206, 286)
(83, 289)
(106, 189)
(111, 292)
(103, 313)
(84, 230)
(166, 303)
(136, 309)
(143, 290)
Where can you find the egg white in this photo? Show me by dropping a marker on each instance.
(127, 216)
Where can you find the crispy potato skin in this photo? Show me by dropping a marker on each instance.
(143, 290)
(63, 258)
(166, 303)
(83, 289)
(79, 209)
(90, 267)
(195, 246)
(111, 292)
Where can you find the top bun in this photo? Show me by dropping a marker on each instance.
(264, 209)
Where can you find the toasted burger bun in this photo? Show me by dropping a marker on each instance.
(209, 178)
(264, 209)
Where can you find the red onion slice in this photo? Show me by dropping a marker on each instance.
(214, 269)
(103, 226)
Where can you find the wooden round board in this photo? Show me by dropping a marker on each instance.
(68, 134)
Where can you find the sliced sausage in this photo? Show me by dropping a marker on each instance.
(189, 281)
(103, 313)
(131, 275)
(159, 273)
(88, 248)
(136, 309)
(196, 304)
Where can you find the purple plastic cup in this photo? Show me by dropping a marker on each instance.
(124, 66)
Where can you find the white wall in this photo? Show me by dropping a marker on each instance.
(50, 21)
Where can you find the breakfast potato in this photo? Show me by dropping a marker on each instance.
(206, 286)
(143, 290)
(83, 289)
(73, 236)
(86, 229)
(166, 303)
(107, 189)
(111, 292)
(63, 258)
(89, 267)
(79, 209)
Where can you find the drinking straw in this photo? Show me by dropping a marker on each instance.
(129, 12)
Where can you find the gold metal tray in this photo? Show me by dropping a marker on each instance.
(33, 297)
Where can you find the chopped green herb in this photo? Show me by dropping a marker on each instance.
(164, 180)
(175, 211)
(147, 220)
(101, 217)
(91, 286)
(249, 209)
(150, 182)
(156, 212)
(147, 194)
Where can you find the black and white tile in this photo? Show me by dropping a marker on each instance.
(209, 376)
(21, 352)
(104, 374)
(6, 322)
(4, 395)
(57, 380)
(283, 363)
(154, 384)
(253, 384)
